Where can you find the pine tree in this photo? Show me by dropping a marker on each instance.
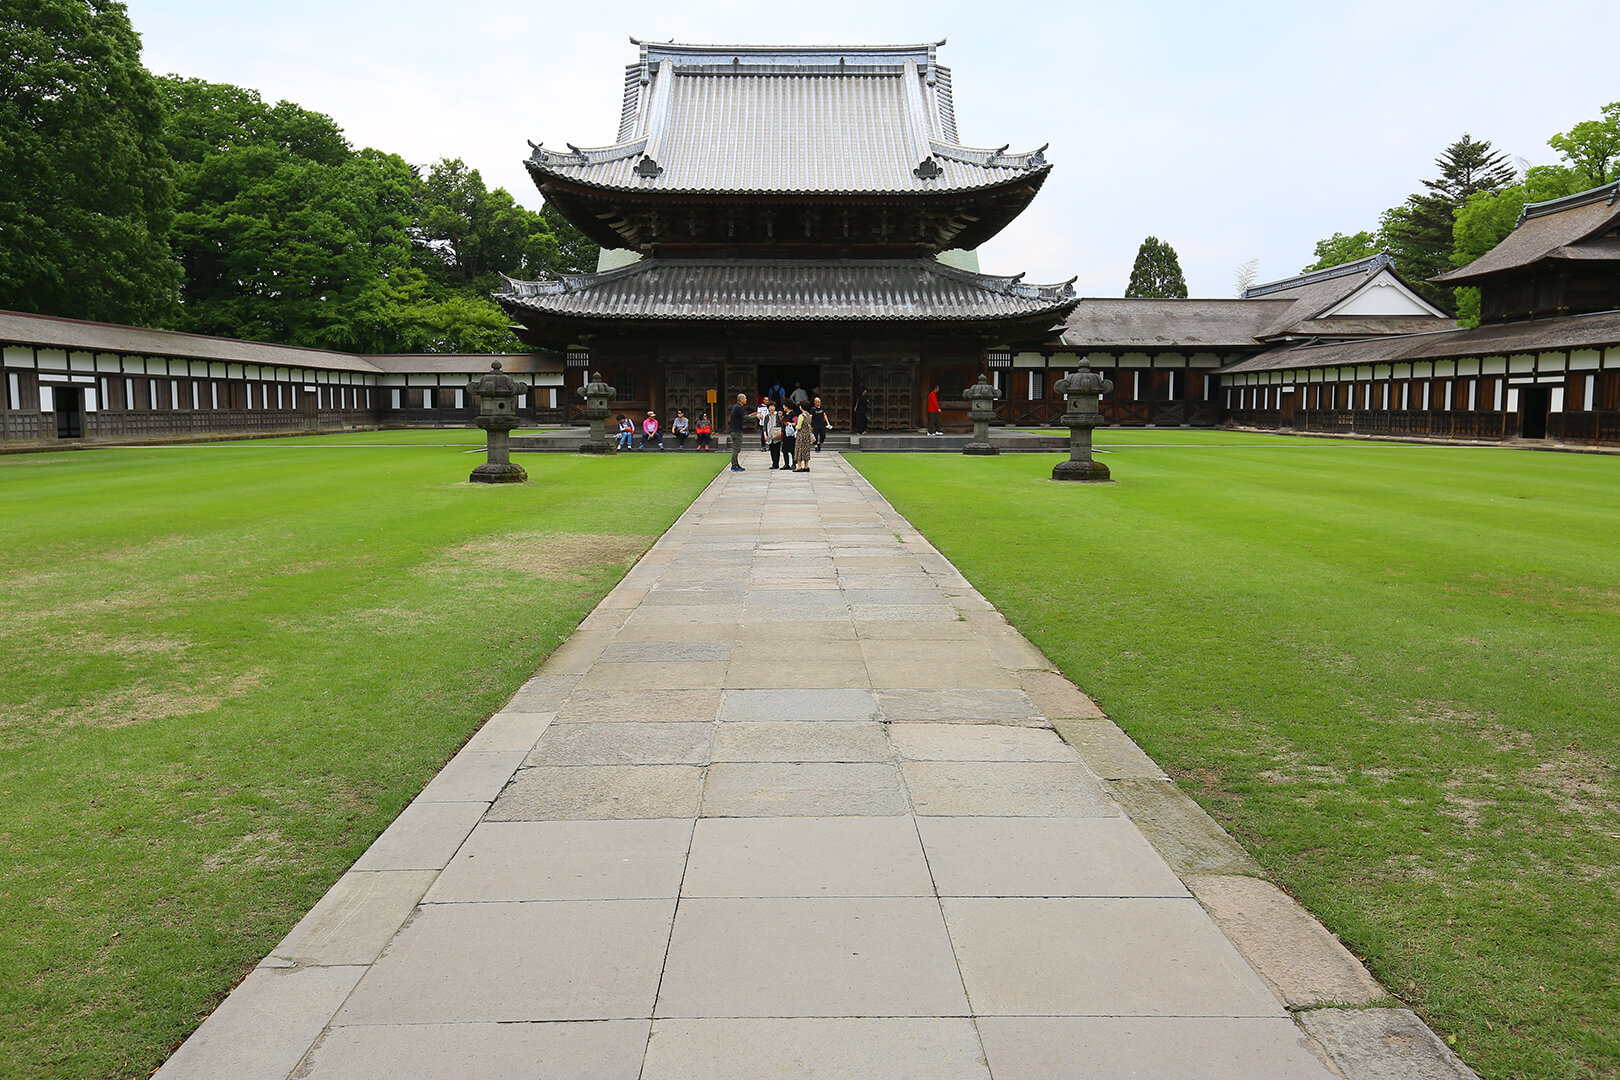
(1418, 233)
(1157, 272)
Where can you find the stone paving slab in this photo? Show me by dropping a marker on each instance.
(790, 803)
(845, 1048)
(1136, 1047)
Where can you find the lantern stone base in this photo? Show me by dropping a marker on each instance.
(1094, 471)
(980, 449)
(499, 472)
(592, 446)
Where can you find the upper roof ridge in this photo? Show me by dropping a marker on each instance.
(1609, 192)
(1367, 266)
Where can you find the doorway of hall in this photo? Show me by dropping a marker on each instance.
(1534, 404)
(68, 402)
(790, 378)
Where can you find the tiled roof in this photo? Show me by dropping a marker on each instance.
(1164, 324)
(77, 335)
(789, 120)
(788, 290)
(1554, 229)
(1496, 339)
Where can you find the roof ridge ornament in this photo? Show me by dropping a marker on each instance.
(928, 169)
(648, 169)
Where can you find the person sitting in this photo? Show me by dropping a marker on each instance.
(679, 428)
(627, 432)
(704, 432)
(650, 432)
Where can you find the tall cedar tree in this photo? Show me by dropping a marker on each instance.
(1418, 233)
(85, 192)
(1157, 272)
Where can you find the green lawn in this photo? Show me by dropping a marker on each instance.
(1390, 670)
(225, 668)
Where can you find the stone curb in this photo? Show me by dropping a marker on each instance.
(1383, 1044)
(1298, 958)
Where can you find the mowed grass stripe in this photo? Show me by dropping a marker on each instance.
(1390, 670)
(226, 669)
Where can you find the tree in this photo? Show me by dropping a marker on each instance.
(1339, 249)
(1418, 233)
(1157, 272)
(1246, 276)
(85, 192)
(1592, 147)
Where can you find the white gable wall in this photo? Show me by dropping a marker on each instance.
(1382, 294)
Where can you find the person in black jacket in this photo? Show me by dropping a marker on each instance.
(739, 411)
(863, 414)
(818, 422)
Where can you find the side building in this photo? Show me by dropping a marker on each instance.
(1167, 358)
(65, 380)
(1544, 363)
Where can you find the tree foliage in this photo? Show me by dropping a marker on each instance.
(1339, 249)
(85, 191)
(288, 234)
(1157, 272)
(1592, 147)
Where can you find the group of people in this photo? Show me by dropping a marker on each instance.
(652, 433)
(789, 431)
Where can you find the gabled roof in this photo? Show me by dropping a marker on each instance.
(1317, 299)
(907, 290)
(1576, 227)
(1341, 301)
(787, 120)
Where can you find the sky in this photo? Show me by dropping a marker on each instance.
(1232, 132)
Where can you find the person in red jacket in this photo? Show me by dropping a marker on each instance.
(932, 408)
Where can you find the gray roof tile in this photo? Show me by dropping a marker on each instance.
(790, 120)
(797, 290)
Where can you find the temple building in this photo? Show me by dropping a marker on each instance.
(1544, 363)
(802, 216)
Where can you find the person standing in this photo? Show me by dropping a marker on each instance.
(863, 414)
(818, 422)
(739, 412)
(799, 397)
(679, 427)
(803, 442)
(773, 435)
(760, 413)
(789, 436)
(932, 408)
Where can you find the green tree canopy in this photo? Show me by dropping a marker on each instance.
(1418, 233)
(1339, 249)
(1157, 272)
(85, 190)
(1592, 147)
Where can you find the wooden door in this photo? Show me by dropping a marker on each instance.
(891, 393)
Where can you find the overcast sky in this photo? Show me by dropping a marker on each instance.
(1233, 132)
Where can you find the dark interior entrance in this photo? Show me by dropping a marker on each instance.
(1534, 402)
(789, 376)
(69, 402)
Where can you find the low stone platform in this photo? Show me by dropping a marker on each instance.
(1007, 440)
(793, 802)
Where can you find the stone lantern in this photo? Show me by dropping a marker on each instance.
(497, 394)
(1083, 388)
(981, 397)
(597, 394)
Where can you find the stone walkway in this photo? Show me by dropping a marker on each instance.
(790, 803)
